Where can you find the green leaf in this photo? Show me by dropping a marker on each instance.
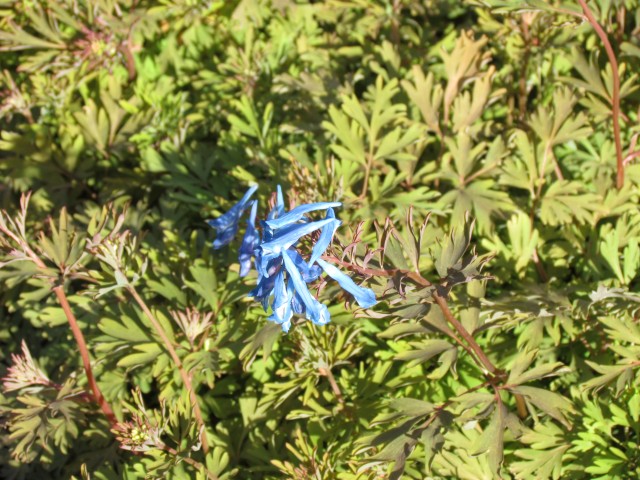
(551, 403)
(424, 351)
(491, 440)
(148, 353)
(565, 202)
(412, 407)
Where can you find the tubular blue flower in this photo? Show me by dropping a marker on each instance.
(309, 273)
(297, 304)
(267, 263)
(283, 273)
(312, 306)
(278, 208)
(249, 241)
(291, 234)
(297, 213)
(264, 290)
(226, 225)
(282, 311)
(326, 235)
(364, 296)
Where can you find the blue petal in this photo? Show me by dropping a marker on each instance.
(312, 306)
(224, 221)
(324, 317)
(225, 236)
(258, 262)
(296, 303)
(278, 208)
(325, 237)
(279, 292)
(248, 242)
(249, 194)
(290, 235)
(227, 219)
(364, 296)
(282, 312)
(297, 213)
(279, 200)
(267, 231)
(226, 225)
(263, 290)
(267, 263)
(309, 274)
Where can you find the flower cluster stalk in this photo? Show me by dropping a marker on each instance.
(186, 377)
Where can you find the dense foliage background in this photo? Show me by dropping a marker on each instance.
(460, 137)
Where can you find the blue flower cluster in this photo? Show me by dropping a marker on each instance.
(282, 271)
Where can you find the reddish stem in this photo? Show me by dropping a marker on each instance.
(477, 350)
(84, 354)
(373, 272)
(471, 346)
(186, 378)
(615, 98)
(332, 380)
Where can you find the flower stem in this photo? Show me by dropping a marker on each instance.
(615, 95)
(367, 174)
(440, 301)
(332, 381)
(84, 354)
(477, 350)
(186, 377)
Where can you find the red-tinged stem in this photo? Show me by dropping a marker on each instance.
(471, 346)
(373, 272)
(332, 380)
(186, 378)
(84, 354)
(631, 156)
(615, 97)
(477, 350)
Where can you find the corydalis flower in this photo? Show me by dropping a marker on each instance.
(227, 226)
(24, 372)
(283, 273)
